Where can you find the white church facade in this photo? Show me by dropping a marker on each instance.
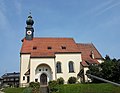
(46, 59)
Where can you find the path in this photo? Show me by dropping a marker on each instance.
(44, 89)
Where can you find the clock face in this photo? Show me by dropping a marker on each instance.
(29, 32)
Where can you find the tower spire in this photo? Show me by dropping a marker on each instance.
(30, 12)
(29, 28)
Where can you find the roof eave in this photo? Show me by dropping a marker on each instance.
(67, 52)
(42, 56)
(25, 53)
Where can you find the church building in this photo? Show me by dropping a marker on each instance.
(46, 59)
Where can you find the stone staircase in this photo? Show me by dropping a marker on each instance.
(44, 89)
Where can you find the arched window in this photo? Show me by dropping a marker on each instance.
(71, 67)
(58, 66)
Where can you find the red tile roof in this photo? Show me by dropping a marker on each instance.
(85, 50)
(47, 47)
(84, 64)
(38, 47)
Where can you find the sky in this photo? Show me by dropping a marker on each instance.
(87, 21)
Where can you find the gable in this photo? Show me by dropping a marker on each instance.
(86, 50)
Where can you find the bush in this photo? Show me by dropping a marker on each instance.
(60, 80)
(72, 80)
(35, 87)
(53, 86)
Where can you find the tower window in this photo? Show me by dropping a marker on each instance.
(63, 47)
(34, 48)
(49, 47)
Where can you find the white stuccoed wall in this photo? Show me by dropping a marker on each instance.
(85, 76)
(65, 59)
(43, 68)
(100, 61)
(35, 62)
(24, 66)
(50, 63)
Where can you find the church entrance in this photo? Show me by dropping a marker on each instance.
(43, 79)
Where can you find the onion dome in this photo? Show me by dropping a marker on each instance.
(29, 21)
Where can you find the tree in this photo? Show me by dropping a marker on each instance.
(109, 69)
(95, 70)
(107, 58)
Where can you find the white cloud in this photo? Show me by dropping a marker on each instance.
(97, 8)
(100, 6)
(108, 8)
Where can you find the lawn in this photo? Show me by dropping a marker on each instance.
(77, 88)
(88, 88)
(13, 90)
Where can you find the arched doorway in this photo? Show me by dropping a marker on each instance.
(43, 79)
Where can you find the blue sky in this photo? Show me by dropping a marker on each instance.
(96, 21)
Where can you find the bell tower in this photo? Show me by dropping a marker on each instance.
(29, 28)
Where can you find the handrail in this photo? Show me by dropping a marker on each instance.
(116, 84)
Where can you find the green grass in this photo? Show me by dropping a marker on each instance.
(77, 88)
(13, 90)
(88, 88)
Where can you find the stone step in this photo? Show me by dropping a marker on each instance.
(44, 89)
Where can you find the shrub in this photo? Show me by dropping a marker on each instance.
(53, 83)
(60, 80)
(35, 87)
(53, 86)
(72, 80)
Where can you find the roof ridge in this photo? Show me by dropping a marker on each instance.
(53, 37)
(97, 50)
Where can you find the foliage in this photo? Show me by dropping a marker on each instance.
(95, 70)
(60, 80)
(109, 69)
(72, 80)
(53, 86)
(107, 58)
(35, 87)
